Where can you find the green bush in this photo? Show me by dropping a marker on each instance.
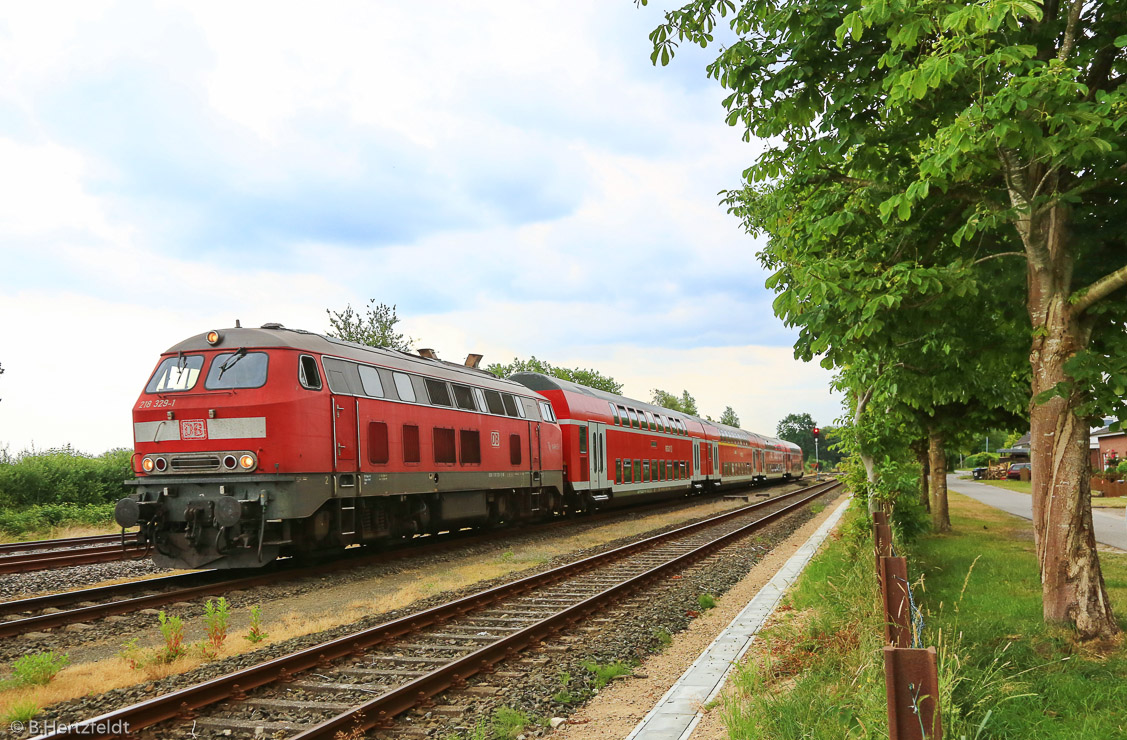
(62, 476)
(1121, 468)
(980, 460)
(37, 669)
(41, 519)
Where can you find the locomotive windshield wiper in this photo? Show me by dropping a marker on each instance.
(240, 353)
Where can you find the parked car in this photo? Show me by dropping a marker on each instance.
(1014, 473)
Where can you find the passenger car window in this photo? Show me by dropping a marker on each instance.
(307, 373)
(613, 412)
(240, 369)
(176, 374)
(403, 387)
(370, 379)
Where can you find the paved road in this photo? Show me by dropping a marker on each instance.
(1110, 529)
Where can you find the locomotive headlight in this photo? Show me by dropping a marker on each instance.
(147, 464)
(213, 337)
(248, 462)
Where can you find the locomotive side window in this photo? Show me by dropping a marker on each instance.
(493, 398)
(176, 374)
(471, 447)
(546, 411)
(377, 443)
(370, 380)
(463, 396)
(510, 404)
(438, 392)
(514, 449)
(239, 369)
(480, 396)
(307, 373)
(410, 443)
(520, 408)
(444, 451)
(403, 387)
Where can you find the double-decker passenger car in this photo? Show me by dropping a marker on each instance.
(251, 443)
(255, 443)
(618, 450)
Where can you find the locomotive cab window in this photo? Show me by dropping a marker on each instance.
(175, 374)
(239, 369)
(370, 380)
(308, 374)
(546, 411)
(438, 392)
(403, 387)
(510, 404)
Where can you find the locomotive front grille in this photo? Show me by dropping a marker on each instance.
(198, 463)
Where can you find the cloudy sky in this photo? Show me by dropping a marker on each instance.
(515, 177)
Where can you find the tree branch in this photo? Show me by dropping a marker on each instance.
(1099, 290)
(1069, 39)
(999, 254)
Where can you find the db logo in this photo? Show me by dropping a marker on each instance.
(195, 429)
(495, 439)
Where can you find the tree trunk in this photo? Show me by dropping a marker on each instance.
(1072, 584)
(937, 459)
(925, 472)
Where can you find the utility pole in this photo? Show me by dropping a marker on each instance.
(817, 463)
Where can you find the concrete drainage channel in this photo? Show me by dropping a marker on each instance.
(383, 671)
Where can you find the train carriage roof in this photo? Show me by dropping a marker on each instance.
(541, 382)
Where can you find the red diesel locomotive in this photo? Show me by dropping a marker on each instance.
(255, 443)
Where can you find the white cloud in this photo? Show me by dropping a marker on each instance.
(514, 176)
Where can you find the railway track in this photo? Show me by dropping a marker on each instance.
(56, 544)
(40, 613)
(365, 679)
(75, 551)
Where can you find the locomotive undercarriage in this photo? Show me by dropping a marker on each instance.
(248, 521)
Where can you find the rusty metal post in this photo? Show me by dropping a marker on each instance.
(880, 517)
(912, 683)
(897, 606)
(882, 539)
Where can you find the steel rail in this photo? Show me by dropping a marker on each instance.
(61, 559)
(383, 708)
(119, 605)
(100, 539)
(183, 702)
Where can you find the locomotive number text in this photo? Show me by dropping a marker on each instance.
(159, 403)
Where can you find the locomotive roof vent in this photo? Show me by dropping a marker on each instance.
(473, 360)
(272, 325)
(428, 353)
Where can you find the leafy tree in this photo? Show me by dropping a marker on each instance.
(798, 428)
(729, 417)
(684, 403)
(989, 131)
(583, 376)
(376, 328)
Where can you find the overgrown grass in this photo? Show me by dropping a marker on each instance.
(818, 673)
(35, 522)
(1043, 682)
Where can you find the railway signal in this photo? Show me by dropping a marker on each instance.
(817, 464)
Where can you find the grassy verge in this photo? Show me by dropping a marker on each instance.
(1004, 673)
(1098, 502)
